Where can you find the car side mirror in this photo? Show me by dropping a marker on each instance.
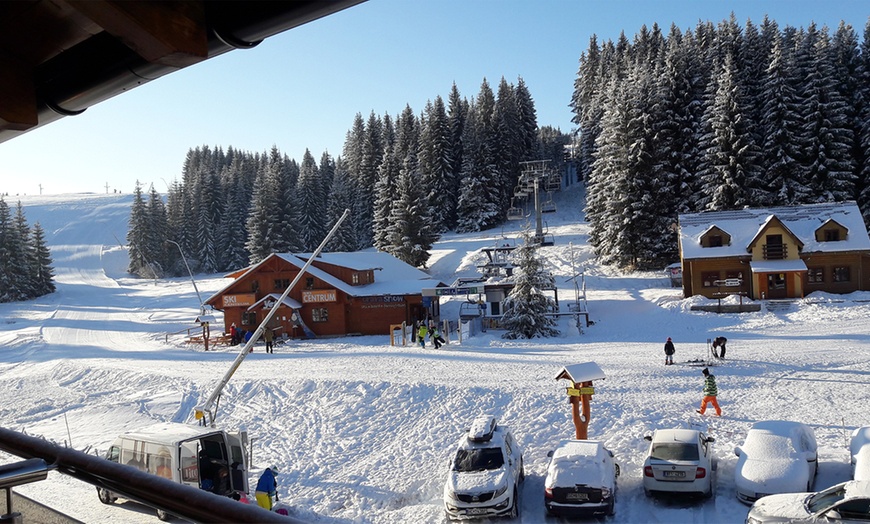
(648, 437)
(833, 515)
(738, 451)
(711, 439)
(550, 453)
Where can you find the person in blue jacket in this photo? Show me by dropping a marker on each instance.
(267, 487)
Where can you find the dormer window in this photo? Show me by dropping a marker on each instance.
(715, 237)
(354, 278)
(831, 231)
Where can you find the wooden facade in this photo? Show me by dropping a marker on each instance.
(775, 253)
(331, 299)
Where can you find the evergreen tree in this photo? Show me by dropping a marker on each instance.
(7, 249)
(526, 309)
(41, 270)
(385, 189)
(260, 225)
(341, 198)
(434, 160)
(457, 114)
(137, 237)
(410, 237)
(312, 204)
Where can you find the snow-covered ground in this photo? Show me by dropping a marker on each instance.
(362, 432)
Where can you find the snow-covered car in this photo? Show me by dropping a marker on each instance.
(485, 473)
(679, 461)
(778, 456)
(859, 449)
(581, 479)
(846, 502)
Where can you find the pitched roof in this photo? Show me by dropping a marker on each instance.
(744, 224)
(392, 276)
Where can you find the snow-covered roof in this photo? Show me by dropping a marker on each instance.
(777, 266)
(169, 432)
(583, 372)
(392, 276)
(744, 224)
(289, 302)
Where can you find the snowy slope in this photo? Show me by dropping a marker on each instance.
(363, 432)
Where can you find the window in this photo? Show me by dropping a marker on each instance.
(354, 278)
(715, 240)
(309, 282)
(832, 235)
(255, 286)
(709, 278)
(282, 283)
(815, 275)
(840, 274)
(320, 314)
(249, 318)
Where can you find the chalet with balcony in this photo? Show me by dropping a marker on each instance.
(779, 252)
(360, 293)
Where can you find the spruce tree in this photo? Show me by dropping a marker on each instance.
(340, 198)
(527, 310)
(312, 204)
(41, 270)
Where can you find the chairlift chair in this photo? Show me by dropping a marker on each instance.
(514, 212)
(554, 182)
(548, 206)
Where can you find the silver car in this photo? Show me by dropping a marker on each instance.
(846, 502)
(679, 461)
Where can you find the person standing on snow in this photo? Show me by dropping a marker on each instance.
(669, 352)
(421, 335)
(268, 336)
(710, 393)
(267, 487)
(437, 339)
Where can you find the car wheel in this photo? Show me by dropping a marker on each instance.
(515, 510)
(105, 496)
(522, 471)
(164, 516)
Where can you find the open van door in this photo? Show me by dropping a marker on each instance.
(238, 462)
(188, 464)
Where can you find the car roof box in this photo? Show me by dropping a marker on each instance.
(482, 428)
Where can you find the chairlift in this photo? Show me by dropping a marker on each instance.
(548, 206)
(554, 182)
(514, 212)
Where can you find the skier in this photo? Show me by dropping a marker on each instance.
(437, 339)
(669, 352)
(710, 392)
(421, 335)
(267, 487)
(719, 342)
(268, 336)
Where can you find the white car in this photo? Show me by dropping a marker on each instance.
(485, 473)
(846, 502)
(679, 461)
(778, 456)
(581, 479)
(859, 448)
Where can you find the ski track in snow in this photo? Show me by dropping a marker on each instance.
(363, 432)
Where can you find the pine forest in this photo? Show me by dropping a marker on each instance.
(25, 261)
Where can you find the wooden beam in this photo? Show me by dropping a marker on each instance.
(168, 32)
(18, 95)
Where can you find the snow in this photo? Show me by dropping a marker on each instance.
(363, 432)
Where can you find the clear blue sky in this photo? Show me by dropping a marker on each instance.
(302, 88)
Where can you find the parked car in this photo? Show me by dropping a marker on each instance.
(859, 448)
(778, 456)
(846, 502)
(679, 461)
(581, 479)
(485, 473)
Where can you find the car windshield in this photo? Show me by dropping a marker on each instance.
(673, 451)
(825, 499)
(478, 459)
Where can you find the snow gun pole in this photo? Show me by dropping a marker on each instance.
(206, 413)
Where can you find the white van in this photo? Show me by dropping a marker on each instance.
(204, 458)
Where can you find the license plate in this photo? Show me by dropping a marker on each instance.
(576, 496)
(476, 511)
(674, 474)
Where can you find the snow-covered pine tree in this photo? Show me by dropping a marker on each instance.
(730, 156)
(527, 309)
(385, 188)
(827, 137)
(434, 157)
(410, 236)
(41, 270)
(137, 236)
(260, 223)
(312, 204)
(863, 169)
(23, 286)
(155, 246)
(340, 198)
(457, 113)
(6, 250)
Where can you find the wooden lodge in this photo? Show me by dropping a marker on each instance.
(775, 253)
(360, 293)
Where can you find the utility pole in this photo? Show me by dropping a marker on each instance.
(107, 188)
(40, 189)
